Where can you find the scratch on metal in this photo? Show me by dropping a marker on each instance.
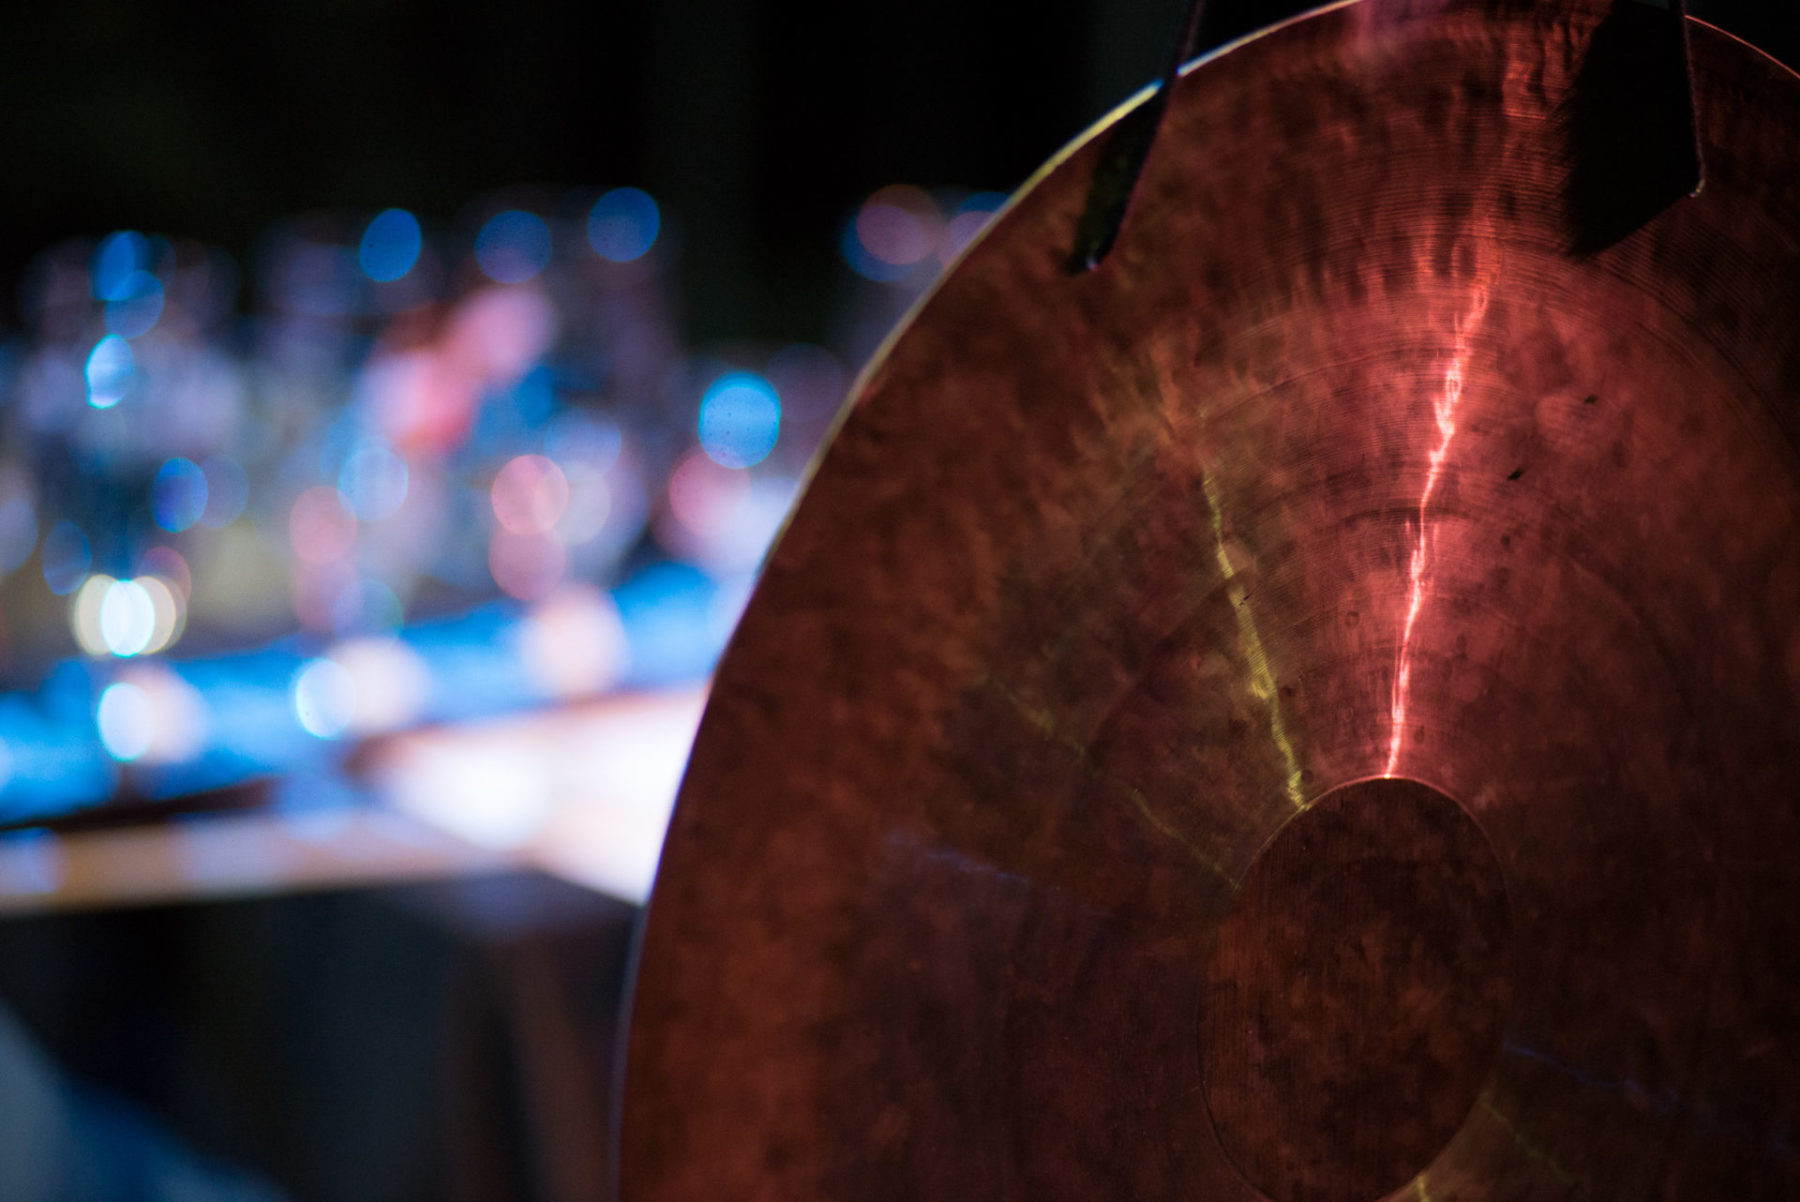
(1532, 1150)
(1262, 678)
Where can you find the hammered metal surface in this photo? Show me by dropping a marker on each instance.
(1345, 465)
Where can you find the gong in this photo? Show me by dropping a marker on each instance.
(1307, 710)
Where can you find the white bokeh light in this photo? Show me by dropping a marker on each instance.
(324, 698)
(127, 618)
(126, 720)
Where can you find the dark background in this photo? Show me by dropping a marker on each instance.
(758, 123)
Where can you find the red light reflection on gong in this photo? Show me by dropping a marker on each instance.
(1444, 409)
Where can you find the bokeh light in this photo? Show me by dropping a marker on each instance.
(496, 336)
(126, 720)
(315, 465)
(373, 480)
(84, 613)
(623, 225)
(127, 618)
(703, 492)
(321, 525)
(893, 232)
(513, 246)
(178, 497)
(169, 607)
(390, 246)
(152, 714)
(118, 257)
(324, 698)
(723, 519)
(110, 368)
(526, 566)
(137, 308)
(590, 504)
(740, 419)
(529, 495)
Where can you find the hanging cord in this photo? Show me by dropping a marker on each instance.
(1687, 68)
(1630, 123)
(1122, 161)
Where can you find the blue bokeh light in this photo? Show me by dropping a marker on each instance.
(623, 225)
(118, 258)
(390, 246)
(513, 246)
(740, 419)
(110, 369)
(179, 494)
(374, 480)
(137, 307)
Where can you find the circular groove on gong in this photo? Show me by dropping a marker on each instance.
(1356, 995)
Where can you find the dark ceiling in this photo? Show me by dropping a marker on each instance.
(758, 122)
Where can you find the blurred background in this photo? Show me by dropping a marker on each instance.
(396, 400)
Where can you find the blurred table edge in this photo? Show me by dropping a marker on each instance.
(582, 792)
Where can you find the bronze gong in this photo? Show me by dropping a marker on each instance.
(1307, 710)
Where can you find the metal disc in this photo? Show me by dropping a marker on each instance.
(1308, 710)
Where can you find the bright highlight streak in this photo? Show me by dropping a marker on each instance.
(1444, 409)
(1262, 679)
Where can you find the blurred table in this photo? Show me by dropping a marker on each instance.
(583, 792)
